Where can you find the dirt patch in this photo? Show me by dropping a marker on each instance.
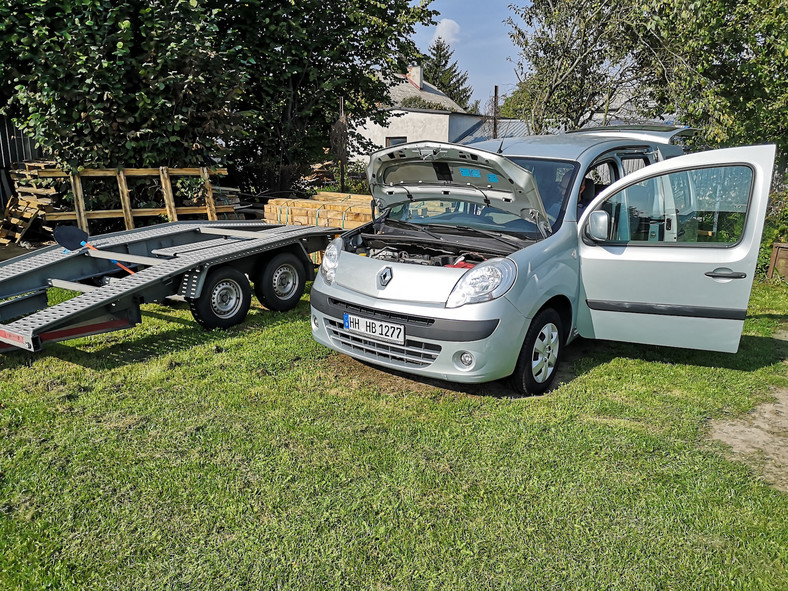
(395, 382)
(760, 439)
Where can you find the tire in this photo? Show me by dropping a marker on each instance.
(537, 364)
(224, 301)
(280, 284)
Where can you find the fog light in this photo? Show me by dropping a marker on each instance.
(314, 322)
(466, 359)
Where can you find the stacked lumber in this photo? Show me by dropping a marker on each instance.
(31, 202)
(326, 210)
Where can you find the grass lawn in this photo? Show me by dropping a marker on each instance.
(167, 457)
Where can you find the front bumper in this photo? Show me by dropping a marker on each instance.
(436, 337)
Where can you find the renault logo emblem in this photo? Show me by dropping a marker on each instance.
(384, 277)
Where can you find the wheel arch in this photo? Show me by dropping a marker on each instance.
(562, 305)
(193, 280)
(297, 249)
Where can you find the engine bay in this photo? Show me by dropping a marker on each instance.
(464, 260)
(459, 253)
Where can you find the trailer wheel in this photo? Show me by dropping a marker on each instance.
(280, 284)
(224, 301)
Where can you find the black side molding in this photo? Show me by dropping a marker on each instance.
(668, 310)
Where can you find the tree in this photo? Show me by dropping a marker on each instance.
(721, 66)
(134, 83)
(152, 82)
(302, 58)
(573, 63)
(446, 75)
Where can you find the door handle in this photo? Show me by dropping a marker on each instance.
(726, 274)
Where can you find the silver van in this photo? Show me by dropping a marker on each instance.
(483, 261)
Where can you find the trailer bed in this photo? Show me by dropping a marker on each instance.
(169, 259)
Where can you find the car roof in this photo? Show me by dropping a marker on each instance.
(574, 145)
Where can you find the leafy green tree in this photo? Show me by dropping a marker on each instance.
(134, 83)
(302, 58)
(574, 62)
(445, 74)
(721, 66)
(152, 82)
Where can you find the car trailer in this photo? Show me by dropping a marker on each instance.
(207, 263)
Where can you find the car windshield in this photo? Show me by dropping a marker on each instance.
(553, 179)
(435, 214)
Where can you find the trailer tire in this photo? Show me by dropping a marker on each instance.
(224, 301)
(280, 284)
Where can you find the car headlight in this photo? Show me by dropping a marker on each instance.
(486, 281)
(328, 268)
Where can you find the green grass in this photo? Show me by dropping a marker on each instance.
(167, 457)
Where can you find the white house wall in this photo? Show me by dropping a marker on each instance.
(413, 125)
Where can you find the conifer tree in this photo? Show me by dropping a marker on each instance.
(440, 70)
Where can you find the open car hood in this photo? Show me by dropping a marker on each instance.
(421, 170)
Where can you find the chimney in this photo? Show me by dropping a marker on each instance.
(415, 76)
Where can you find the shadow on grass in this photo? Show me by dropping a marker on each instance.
(130, 348)
(582, 356)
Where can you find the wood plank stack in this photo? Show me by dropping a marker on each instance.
(326, 210)
(31, 202)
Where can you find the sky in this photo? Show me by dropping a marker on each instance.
(476, 31)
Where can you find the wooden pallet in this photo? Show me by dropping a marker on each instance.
(32, 201)
(20, 213)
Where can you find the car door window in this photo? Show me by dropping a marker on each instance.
(700, 206)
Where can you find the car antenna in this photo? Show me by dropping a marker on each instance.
(500, 148)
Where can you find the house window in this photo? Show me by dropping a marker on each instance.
(395, 141)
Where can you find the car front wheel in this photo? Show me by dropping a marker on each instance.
(537, 364)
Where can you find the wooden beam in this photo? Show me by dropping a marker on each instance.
(79, 203)
(130, 172)
(104, 214)
(125, 200)
(210, 204)
(169, 199)
(35, 190)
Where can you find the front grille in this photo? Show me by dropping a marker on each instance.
(406, 319)
(413, 353)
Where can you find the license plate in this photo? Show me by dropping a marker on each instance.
(383, 331)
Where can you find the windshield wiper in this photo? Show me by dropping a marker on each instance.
(419, 227)
(515, 242)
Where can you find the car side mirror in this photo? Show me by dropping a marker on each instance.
(599, 226)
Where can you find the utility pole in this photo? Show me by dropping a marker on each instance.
(495, 114)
